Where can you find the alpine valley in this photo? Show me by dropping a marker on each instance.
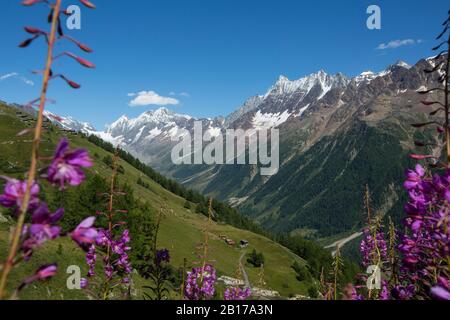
(337, 135)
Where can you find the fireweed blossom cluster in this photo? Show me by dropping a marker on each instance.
(66, 166)
(157, 267)
(43, 225)
(236, 293)
(200, 283)
(116, 263)
(377, 258)
(91, 259)
(162, 255)
(373, 248)
(113, 247)
(422, 271)
(159, 273)
(426, 248)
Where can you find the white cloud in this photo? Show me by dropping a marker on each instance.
(398, 43)
(8, 75)
(181, 94)
(146, 98)
(16, 75)
(28, 82)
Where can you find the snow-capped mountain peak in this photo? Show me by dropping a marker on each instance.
(69, 123)
(305, 84)
(248, 106)
(294, 94)
(284, 100)
(368, 76)
(403, 64)
(158, 117)
(119, 122)
(163, 115)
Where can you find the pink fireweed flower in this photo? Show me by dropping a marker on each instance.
(66, 165)
(424, 245)
(103, 238)
(117, 264)
(443, 282)
(15, 191)
(126, 236)
(237, 293)
(42, 215)
(440, 293)
(123, 264)
(403, 292)
(91, 259)
(414, 177)
(385, 293)
(109, 271)
(162, 255)
(85, 234)
(84, 283)
(200, 283)
(42, 229)
(373, 249)
(43, 273)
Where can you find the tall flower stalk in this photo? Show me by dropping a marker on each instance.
(159, 270)
(421, 269)
(424, 270)
(207, 229)
(375, 256)
(393, 259)
(337, 271)
(51, 39)
(34, 154)
(373, 247)
(200, 281)
(110, 243)
(113, 246)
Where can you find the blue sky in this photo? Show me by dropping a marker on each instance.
(209, 56)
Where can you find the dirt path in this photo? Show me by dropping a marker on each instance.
(342, 242)
(244, 273)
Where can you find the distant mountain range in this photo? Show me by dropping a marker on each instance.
(336, 135)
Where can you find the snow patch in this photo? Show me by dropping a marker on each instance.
(262, 121)
(176, 132)
(301, 111)
(138, 136)
(422, 88)
(106, 136)
(153, 133)
(368, 76)
(213, 132)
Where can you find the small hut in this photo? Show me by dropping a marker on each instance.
(244, 243)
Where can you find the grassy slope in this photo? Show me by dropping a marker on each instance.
(181, 230)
